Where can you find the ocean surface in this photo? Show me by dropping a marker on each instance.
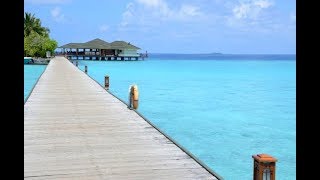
(31, 76)
(222, 108)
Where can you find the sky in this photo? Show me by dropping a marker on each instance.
(179, 26)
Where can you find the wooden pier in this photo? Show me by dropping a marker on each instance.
(75, 129)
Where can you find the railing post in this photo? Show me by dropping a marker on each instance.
(106, 82)
(264, 167)
(86, 69)
(77, 63)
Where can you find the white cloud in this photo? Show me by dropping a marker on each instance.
(47, 1)
(263, 3)
(103, 28)
(156, 7)
(152, 12)
(250, 9)
(55, 12)
(189, 10)
(127, 15)
(152, 3)
(254, 16)
(241, 11)
(57, 15)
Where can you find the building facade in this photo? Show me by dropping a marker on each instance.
(98, 49)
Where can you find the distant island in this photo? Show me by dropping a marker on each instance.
(216, 53)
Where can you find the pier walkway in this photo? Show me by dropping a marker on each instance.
(75, 129)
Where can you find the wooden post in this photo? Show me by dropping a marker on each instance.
(264, 167)
(86, 69)
(133, 97)
(106, 82)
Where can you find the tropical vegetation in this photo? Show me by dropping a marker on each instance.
(36, 37)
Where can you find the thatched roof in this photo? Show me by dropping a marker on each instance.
(100, 44)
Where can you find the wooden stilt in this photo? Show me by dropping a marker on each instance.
(106, 82)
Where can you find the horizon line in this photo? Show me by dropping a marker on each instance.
(223, 53)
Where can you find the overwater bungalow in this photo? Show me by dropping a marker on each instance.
(98, 49)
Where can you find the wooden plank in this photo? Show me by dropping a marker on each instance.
(74, 129)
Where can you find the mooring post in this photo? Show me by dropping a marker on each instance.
(106, 82)
(86, 69)
(264, 167)
(133, 97)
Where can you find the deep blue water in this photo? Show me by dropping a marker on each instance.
(222, 108)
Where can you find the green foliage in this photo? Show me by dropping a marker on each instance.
(31, 23)
(36, 38)
(50, 45)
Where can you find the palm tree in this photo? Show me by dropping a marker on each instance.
(31, 23)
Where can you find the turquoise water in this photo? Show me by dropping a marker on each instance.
(31, 75)
(223, 111)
